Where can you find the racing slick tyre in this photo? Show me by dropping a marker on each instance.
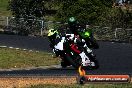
(71, 61)
(63, 64)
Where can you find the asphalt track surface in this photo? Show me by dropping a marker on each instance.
(114, 58)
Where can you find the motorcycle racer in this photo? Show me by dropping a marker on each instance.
(58, 47)
(74, 42)
(54, 38)
(76, 45)
(79, 30)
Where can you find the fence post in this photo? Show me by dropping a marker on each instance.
(7, 21)
(115, 34)
(42, 24)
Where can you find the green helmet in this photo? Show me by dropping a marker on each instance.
(72, 21)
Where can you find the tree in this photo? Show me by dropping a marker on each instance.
(84, 10)
(29, 11)
(27, 8)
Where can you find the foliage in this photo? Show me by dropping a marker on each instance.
(30, 11)
(84, 10)
(118, 18)
(27, 8)
(97, 12)
(94, 12)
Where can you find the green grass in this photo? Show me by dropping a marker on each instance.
(4, 8)
(84, 86)
(11, 58)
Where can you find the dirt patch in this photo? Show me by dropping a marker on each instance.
(13, 82)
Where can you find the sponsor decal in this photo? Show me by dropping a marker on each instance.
(83, 78)
(107, 78)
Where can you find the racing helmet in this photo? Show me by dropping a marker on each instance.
(52, 32)
(72, 21)
(83, 32)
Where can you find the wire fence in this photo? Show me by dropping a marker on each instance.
(40, 27)
(22, 26)
(117, 34)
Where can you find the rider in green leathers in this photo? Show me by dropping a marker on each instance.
(84, 33)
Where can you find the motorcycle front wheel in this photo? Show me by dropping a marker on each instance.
(73, 61)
